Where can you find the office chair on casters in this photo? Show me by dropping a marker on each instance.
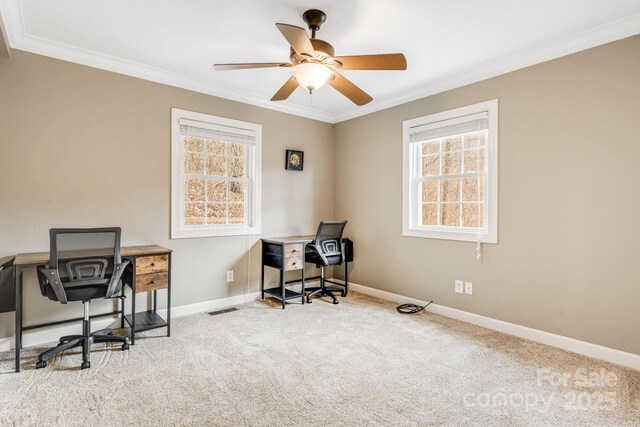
(84, 264)
(327, 249)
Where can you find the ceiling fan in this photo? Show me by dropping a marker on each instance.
(314, 65)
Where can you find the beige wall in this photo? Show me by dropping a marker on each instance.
(85, 147)
(569, 204)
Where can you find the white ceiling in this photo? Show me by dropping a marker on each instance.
(447, 43)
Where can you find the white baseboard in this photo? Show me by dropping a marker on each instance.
(48, 335)
(596, 351)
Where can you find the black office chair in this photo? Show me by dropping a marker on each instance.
(84, 264)
(327, 249)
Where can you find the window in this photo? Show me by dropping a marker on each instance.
(215, 176)
(451, 174)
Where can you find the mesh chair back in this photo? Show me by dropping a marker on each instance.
(329, 237)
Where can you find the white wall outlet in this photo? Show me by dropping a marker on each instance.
(468, 288)
(229, 276)
(459, 285)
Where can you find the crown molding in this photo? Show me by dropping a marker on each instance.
(19, 39)
(607, 33)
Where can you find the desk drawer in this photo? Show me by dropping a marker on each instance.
(292, 250)
(152, 264)
(152, 282)
(293, 263)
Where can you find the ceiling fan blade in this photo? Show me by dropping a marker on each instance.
(348, 89)
(298, 39)
(389, 61)
(286, 90)
(221, 67)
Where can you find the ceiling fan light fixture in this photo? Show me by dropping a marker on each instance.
(311, 76)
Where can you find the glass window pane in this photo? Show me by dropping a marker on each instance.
(470, 214)
(193, 213)
(481, 215)
(451, 163)
(452, 143)
(449, 190)
(191, 143)
(236, 167)
(236, 191)
(430, 191)
(450, 214)
(215, 147)
(216, 166)
(236, 213)
(216, 190)
(431, 165)
(429, 214)
(481, 162)
(431, 147)
(481, 188)
(194, 190)
(235, 149)
(194, 163)
(216, 213)
(470, 189)
(471, 161)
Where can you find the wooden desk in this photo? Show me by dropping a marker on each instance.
(287, 254)
(149, 270)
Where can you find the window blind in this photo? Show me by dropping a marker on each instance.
(217, 132)
(449, 127)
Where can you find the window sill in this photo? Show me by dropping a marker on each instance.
(215, 232)
(451, 235)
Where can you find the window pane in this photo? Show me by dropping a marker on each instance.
(481, 162)
(472, 140)
(216, 165)
(471, 160)
(236, 213)
(193, 163)
(216, 190)
(193, 213)
(449, 190)
(430, 191)
(429, 214)
(236, 167)
(451, 163)
(470, 188)
(236, 191)
(216, 213)
(450, 214)
(431, 165)
(470, 214)
(191, 143)
(194, 190)
(215, 147)
(453, 143)
(235, 149)
(481, 215)
(481, 188)
(431, 147)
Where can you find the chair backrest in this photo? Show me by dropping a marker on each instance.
(329, 237)
(82, 257)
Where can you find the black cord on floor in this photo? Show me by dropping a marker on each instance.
(411, 308)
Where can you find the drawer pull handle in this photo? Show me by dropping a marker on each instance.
(152, 282)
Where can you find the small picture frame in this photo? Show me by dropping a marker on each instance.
(294, 160)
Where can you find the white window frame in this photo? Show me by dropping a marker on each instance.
(254, 173)
(410, 219)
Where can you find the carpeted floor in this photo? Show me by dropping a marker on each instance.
(355, 364)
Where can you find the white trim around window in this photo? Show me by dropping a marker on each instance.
(246, 139)
(442, 136)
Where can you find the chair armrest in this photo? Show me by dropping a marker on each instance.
(52, 276)
(118, 270)
(315, 249)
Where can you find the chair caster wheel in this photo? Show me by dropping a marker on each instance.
(41, 364)
(86, 365)
(344, 294)
(335, 301)
(125, 346)
(309, 301)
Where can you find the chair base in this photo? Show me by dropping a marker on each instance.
(70, 341)
(322, 291)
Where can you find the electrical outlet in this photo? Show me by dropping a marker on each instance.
(459, 285)
(229, 276)
(468, 288)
